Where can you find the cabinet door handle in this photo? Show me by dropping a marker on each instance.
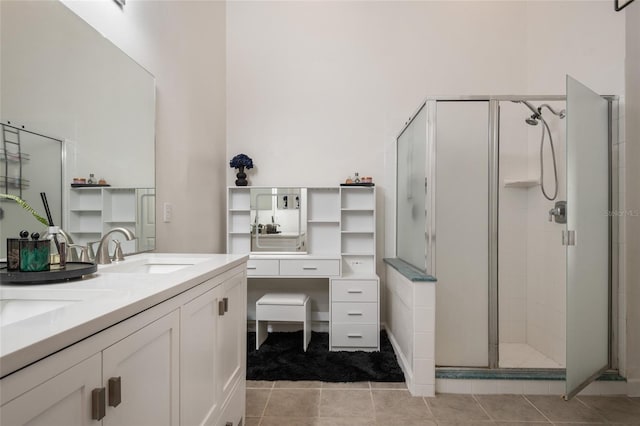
(354, 336)
(226, 304)
(220, 307)
(252, 267)
(115, 391)
(310, 268)
(354, 291)
(97, 403)
(354, 313)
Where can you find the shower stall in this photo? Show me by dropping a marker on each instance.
(514, 194)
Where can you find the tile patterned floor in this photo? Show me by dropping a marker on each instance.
(371, 404)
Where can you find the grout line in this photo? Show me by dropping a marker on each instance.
(482, 408)
(264, 410)
(537, 409)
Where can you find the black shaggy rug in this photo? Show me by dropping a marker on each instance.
(281, 358)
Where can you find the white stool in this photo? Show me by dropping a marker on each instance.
(283, 307)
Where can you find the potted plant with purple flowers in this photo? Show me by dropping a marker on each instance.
(240, 162)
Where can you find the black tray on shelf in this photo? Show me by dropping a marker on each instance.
(358, 184)
(89, 185)
(71, 271)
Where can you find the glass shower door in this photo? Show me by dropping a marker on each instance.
(587, 236)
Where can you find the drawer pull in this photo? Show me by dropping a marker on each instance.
(355, 313)
(310, 268)
(115, 391)
(97, 403)
(354, 291)
(252, 267)
(354, 336)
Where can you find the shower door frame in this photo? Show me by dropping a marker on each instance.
(494, 145)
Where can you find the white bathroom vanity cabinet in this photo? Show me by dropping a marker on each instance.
(177, 357)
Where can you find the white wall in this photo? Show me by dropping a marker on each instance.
(182, 43)
(632, 192)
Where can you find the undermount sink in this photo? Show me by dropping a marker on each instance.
(17, 304)
(150, 265)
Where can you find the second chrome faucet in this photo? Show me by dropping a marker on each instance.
(102, 254)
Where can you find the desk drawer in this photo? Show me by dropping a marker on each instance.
(354, 335)
(354, 290)
(262, 267)
(354, 313)
(310, 267)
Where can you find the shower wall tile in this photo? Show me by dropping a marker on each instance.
(453, 386)
(513, 331)
(424, 345)
(424, 320)
(535, 387)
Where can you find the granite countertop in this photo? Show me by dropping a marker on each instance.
(64, 313)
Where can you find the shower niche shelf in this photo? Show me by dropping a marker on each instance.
(521, 183)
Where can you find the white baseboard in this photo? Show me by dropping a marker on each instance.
(402, 360)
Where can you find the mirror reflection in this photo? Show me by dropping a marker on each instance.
(96, 106)
(278, 220)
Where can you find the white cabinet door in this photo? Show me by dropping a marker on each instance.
(64, 400)
(200, 387)
(146, 363)
(232, 333)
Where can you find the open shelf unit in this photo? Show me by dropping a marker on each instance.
(95, 211)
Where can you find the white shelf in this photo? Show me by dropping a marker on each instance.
(521, 183)
(330, 221)
(95, 211)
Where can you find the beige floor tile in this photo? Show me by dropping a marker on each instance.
(256, 401)
(509, 408)
(289, 421)
(388, 385)
(403, 421)
(346, 403)
(346, 421)
(345, 385)
(556, 409)
(389, 403)
(300, 384)
(456, 408)
(614, 409)
(252, 421)
(293, 403)
(467, 423)
(259, 384)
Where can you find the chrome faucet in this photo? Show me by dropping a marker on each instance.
(102, 254)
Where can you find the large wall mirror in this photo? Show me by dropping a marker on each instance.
(80, 106)
(278, 220)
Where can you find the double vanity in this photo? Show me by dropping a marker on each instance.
(159, 339)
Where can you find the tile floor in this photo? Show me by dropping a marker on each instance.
(521, 355)
(366, 403)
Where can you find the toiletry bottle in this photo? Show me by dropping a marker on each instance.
(92, 179)
(356, 179)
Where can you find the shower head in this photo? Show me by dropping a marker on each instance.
(533, 120)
